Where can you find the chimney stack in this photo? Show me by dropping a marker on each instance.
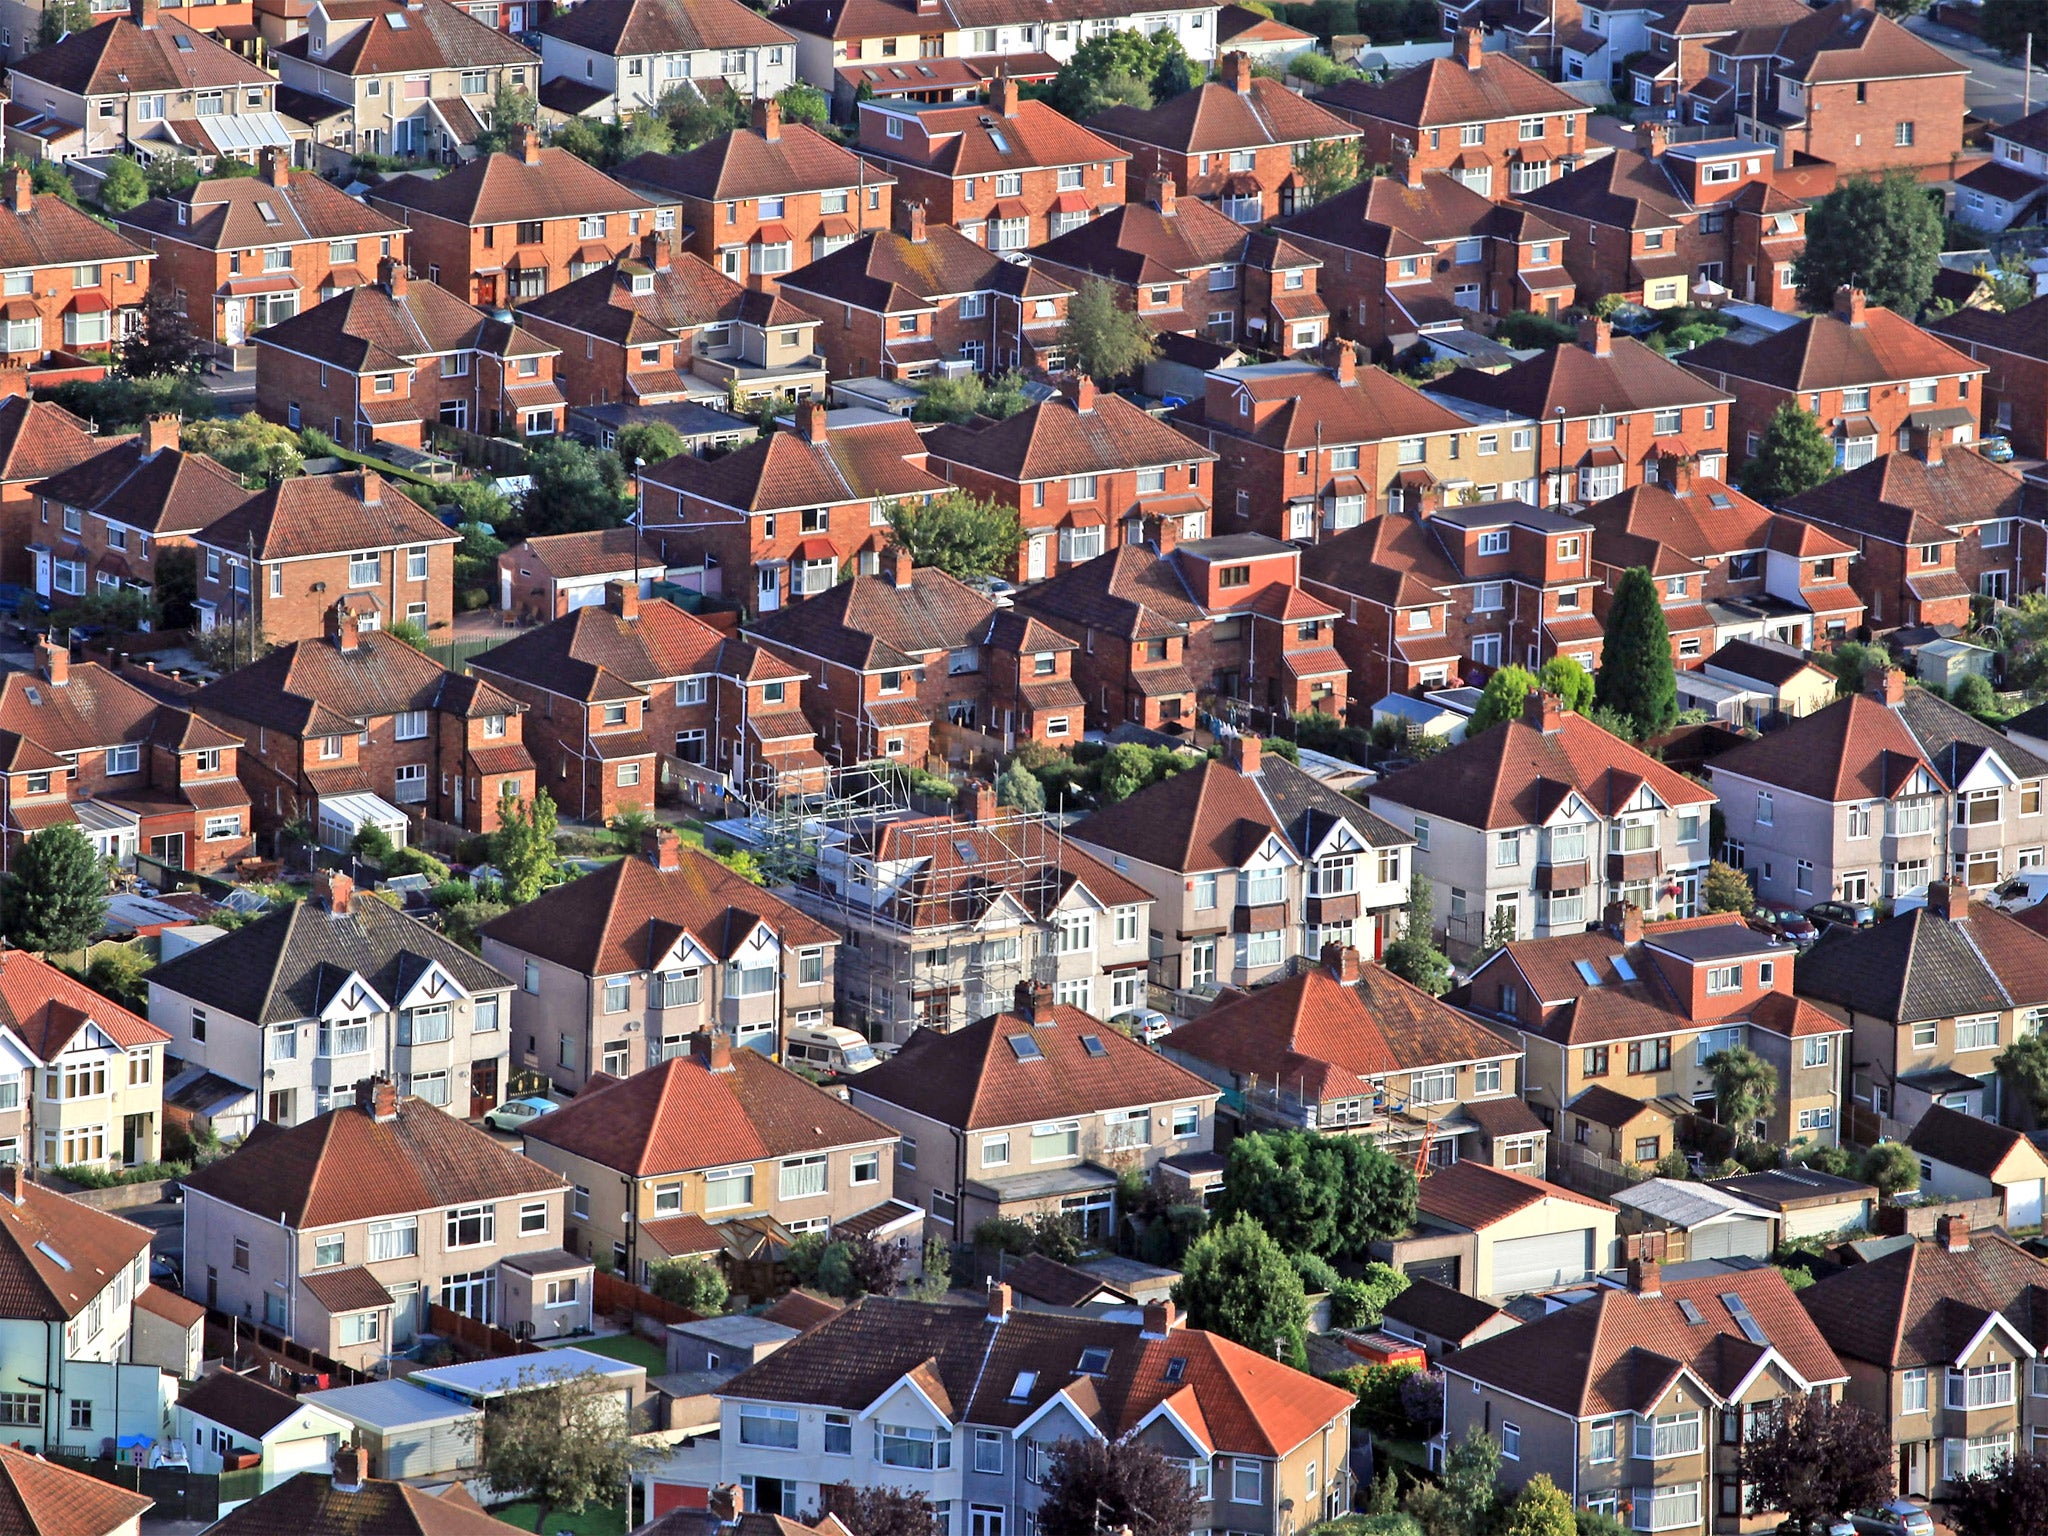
(332, 888)
(1002, 93)
(623, 598)
(1675, 470)
(998, 1301)
(1596, 336)
(1646, 1277)
(1886, 684)
(1544, 711)
(1849, 304)
(1949, 899)
(1652, 138)
(1244, 752)
(159, 433)
(1341, 961)
(662, 848)
(526, 143)
(1624, 920)
(1084, 394)
(914, 213)
(1162, 531)
(901, 568)
(810, 421)
(348, 1470)
(1926, 443)
(1953, 1232)
(1407, 170)
(712, 1050)
(392, 274)
(1237, 73)
(768, 119)
(53, 661)
(1159, 192)
(277, 168)
(1034, 1002)
(1160, 1320)
(24, 190)
(1471, 47)
(143, 13)
(1347, 364)
(726, 1504)
(341, 626)
(977, 802)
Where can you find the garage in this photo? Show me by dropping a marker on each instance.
(1734, 1237)
(1443, 1271)
(2023, 1203)
(1536, 1263)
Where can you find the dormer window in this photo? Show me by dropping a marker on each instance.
(643, 282)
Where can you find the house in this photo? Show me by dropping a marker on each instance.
(363, 714)
(1351, 1048)
(721, 1135)
(518, 224)
(70, 1364)
(1192, 271)
(1618, 1024)
(170, 1331)
(417, 81)
(1415, 253)
(1230, 142)
(287, 555)
(2004, 191)
(85, 1075)
(1040, 1284)
(1934, 528)
(1301, 866)
(1700, 60)
(1963, 1157)
(624, 696)
(941, 1379)
(1932, 995)
(1008, 174)
(54, 1497)
(1791, 686)
(546, 576)
(1726, 568)
(230, 1415)
(37, 440)
(1622, 1395)
(733, 957)
(389, 361)
(1945, 1376)
(310, 999)
(137, 777)
(1956, 799)
(143, 82)
(784, 514)
(102, 522)
(1260, 38)
(2014, 348)
(1611, 411)
(340, 1230)
(659, 328)
(1079, 467)
(1868, 375)
(73, 283)
(639, 51)
(1681, 1221)
(928, 302)
(1652, 223)
(1494, 1233)
(242, 253)
(767, 199)
(1548, 818)
(1495, 124)
(1441, 1319)
(942, 917)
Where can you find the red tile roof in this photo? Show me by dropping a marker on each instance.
(1318, 409)
(46, 1008)
(228, 214)
(743, 164)
(1055, 439)
(1899, 496)
(964, 140)
(431, 34)
(55, 1254)
(1475, 1196)
(1214, 117)
(42, 1498)
(623, 27)
(593, 653)
(1445, 91)
(504, 189)
(1919, 1306)
(324, 515)
(1629, 378)
(119, 58)
(874, 461)
(1827, 352)
(38, 439)
(1854, 749)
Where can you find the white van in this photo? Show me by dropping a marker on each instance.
(828, 1048)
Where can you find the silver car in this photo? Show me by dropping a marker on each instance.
(1146, 1024)
(1901, 1517)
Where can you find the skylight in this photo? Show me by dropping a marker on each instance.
(1094, 1362)
(1025, 1047)
(398, 22)
(269, 213)
(53, 1256)
(1623, 969)
(184, 45)
(34, 696)
(1586, 972)
(1739, 1310)
(1716, 499)
(1093, 1045)
(1177, 1367)
(1002, 144)
(1020, 1389)
(964, 851)
(1692, 1313)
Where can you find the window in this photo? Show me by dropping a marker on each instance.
(1978, 1454)
(533, 1217)
(1981, 1386)
(1494, 542)
(1671, 1434)
(912, 1445)
(762, 1424)
(1977, 1034)
(1650, 1055)
(328, 1248)
(1511, 1441)
(362, 569)
(1913, 1391)
(472, 1226)
(803, 1177)
(1665, 1509)
(1600, 1440)
(1724, 978)
(1247, 1481)
(398, 1238)
(727, 1189)
(838, 1434)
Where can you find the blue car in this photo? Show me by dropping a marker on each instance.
(1996, 448)
(518, 1114)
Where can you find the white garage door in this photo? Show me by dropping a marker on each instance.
(1530, 1263)
(2023, 1204)
(313, 1454)
(1740, 1237)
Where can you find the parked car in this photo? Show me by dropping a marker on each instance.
(1901, 1517)
(2026, 889)
(829, 1048)
(998, 591)
(1842, 914)
(1146, 1024)
(1785, 925)
(164, 1272)
(518, 1114)
(1997, 448)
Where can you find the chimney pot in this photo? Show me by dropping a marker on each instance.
(1084, 394)
(1034, 1002)
(1849, 304)
(144, 13)
(392, 274)
(54, 662)
(1544, 711)
(1003, 94)
(1471, 47)
(1646, 1277)
(1160, 1319)
(768, 119)
(526, 143)
(1162, 530)
(277, 168)
(1675, 470)
(1341, 961)
(341, 626)
(1596, 336)
(727, 1504)
(1347, 364)
(810, 421)
(24, 190)
(1244, 752)
(1948, 899)
(1953, 1232)
(915, 214)
(1927, 443)
(348, 1470)
(1159, 192)
(159, 433)
(1886, 684)
(902, 569)
(334, 888)
(623, 598)
(1653, 138)
(977, 802)
(998, 1300)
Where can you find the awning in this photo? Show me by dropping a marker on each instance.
(112, 563)
(281, 282)
(1084, 517)
(1947, 416)
(1349, 485)
(1243, 184)
(1414, 479)
(1858, 426)
(1599, 458)
(1072, 202)
(773, 234)
(87, 303)
(838, 227)
(1011, 208)
(816, 549)
(593, 253)
(346, 277)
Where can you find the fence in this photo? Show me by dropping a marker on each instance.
(476, 1338)
(499, 455)
(1922, 1220)
(242, 1343)
(180, 1494)
(623, 1298)
(1583, 1169)
(457, 654)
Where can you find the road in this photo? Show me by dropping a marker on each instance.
(1996, 89)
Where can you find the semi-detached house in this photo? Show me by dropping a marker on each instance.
(633, 53)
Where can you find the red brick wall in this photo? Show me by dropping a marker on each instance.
(300, 611)
(1860, 135)
(1437, 149)
(717, 226)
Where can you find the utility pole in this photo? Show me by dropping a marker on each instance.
(2027, 78)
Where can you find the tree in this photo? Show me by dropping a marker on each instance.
(1816, 1459)
(1103, 339)
(1500, 928)
(523, 847)
(1851, 659)
(1882, 234)
(124, 187)
(1793, 455)
(878, 1510)
(1892, 1168)
(1974, 695)
(1728, 889)
(1745, 1087)
(1126, 68)
(1566, 677)
(1501, 699)
(1326, 167)
(1096, 1486)
(575, 489)
(1637, 677)
(561, 1444)
(1318, 1194)
(1017, 786)
(60, 17)
(55, 898)
(644, 133)
(1541, 1509)
(177, 586)
(2012, 281)
(693, 1283)
(2009, 1500)
(805, 104)
(1235, 1281)
(1414, 956)
(965, 398)
(250, 446)
(958, 533)
(2005, 27)
(2024, 1066)
(1471, 1479)
(1362, 1302)
(509, 108)
(649, 443)
(163, 344)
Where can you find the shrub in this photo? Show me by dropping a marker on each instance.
(1316, 1273)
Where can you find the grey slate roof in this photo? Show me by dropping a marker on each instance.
(1954, 739)
(1919, 966)
(1307, 807)
(1439, 1311)
(1684, 1204)
(285, 966)
(1962, 1141)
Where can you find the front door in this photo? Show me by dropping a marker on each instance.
(984, 1520)
(487, 291)
(1034, 569)
(234, 327)
(135, 1140)
(483, 1088)
(42, 573)
(768, 595)
(1202, 963)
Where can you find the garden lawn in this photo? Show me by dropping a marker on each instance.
(629, 1347)
(591, 1520)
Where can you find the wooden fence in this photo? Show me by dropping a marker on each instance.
(475, 1338)
(621, 1298)
(500, 455)
(1583, 1169)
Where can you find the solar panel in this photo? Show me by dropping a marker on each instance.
(1025, 1047)
(1093, 1045)
(1692, 1313)
(1739, 1310)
